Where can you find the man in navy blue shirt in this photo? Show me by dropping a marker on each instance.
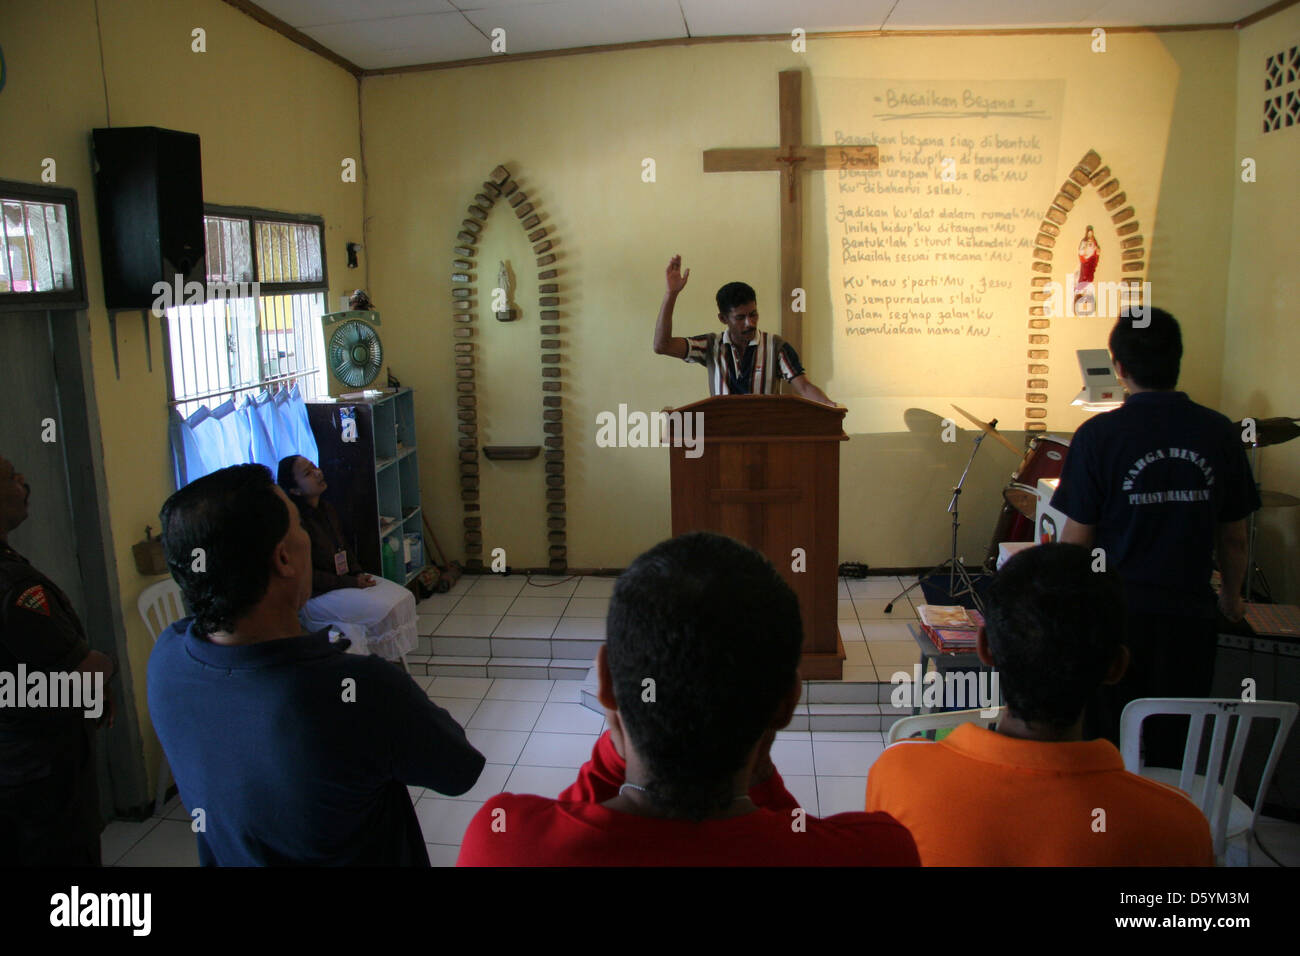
(286, 749)
(1162, 486)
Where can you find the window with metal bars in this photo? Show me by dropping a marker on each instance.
(259, 327)
(40, 248)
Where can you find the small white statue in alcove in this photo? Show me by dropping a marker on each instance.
(501, 300)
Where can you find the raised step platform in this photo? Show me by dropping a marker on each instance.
(550, 627)
(529, 668)
(825, 705)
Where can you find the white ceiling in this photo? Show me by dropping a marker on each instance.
(380, 34)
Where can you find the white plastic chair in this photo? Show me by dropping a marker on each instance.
(1229, 815)
(920, 725)
(161, 603)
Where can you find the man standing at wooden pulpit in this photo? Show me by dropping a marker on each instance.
(741, 360)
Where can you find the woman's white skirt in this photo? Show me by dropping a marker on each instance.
(378, 620)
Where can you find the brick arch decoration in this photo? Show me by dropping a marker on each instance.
(500, 186)
(1089, 171)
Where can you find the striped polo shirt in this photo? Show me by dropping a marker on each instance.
(752, 373)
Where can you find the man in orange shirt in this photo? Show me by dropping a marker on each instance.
(1033, 792)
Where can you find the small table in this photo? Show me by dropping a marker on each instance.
(944, 661)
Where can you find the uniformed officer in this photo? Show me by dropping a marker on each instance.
(49, 798)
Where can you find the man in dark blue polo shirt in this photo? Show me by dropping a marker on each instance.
(286, 749)
(1162, 485)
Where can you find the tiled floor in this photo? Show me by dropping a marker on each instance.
(490, 626)
(876, 644)
(535, 736)
(517, 626)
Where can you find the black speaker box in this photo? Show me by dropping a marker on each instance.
(149, 197)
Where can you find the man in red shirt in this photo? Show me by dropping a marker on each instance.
(699, 671)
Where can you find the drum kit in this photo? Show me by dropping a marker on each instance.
(1045, 459)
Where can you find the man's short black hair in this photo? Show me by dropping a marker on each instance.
(712, 623)
(1054, 626)
(733, 294)
(236, 517)
(1151, 354)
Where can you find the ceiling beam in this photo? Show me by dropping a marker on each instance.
(297, 36)
(1265, 13)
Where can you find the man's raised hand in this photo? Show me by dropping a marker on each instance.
(676, 278)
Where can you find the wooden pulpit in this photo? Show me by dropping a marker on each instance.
(769, 475)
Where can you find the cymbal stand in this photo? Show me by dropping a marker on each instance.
(955, 567)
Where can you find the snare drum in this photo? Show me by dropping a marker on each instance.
(1024, 498)
(1044, 459)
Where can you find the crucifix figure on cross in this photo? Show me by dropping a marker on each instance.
(788, 172)
(786, 158)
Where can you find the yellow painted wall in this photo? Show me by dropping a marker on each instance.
(275, 121)
(1261, 365)
(574, 130)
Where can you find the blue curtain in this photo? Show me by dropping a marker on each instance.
(233, 450)
(286, 438)
(269, 413)
(188, 462)
(262, 447)
(261, 430)
(208, 433)
(304, 440)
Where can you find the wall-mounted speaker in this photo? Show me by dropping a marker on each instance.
(149, 197)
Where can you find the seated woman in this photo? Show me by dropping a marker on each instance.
(377, 615)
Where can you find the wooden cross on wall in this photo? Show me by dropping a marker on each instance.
(791, 158)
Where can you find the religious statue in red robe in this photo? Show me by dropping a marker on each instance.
(1085, 301)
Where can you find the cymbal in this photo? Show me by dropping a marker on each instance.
(1278, 499)
(990, 430)
(1274, 431)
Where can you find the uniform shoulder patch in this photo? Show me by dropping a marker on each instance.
(34, 599)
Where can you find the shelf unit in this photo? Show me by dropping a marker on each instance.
(374, 479)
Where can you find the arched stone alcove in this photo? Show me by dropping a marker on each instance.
(1089, 171)
(501, 188)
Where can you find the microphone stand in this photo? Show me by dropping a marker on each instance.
(954, 566)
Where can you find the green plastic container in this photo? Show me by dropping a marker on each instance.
(392, 562)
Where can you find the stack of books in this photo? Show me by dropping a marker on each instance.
(951, 628)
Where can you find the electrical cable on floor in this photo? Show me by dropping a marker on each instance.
(528, 581)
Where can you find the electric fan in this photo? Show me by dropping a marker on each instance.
(353, 350)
